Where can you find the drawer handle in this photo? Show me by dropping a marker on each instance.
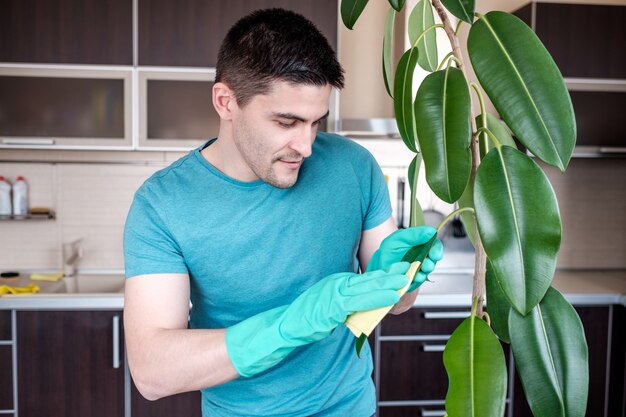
(116, 342)
(433, 348)
(433, 413)
(446, 314)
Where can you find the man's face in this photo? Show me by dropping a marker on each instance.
(274, 132)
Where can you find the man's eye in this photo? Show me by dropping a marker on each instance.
(286, 125)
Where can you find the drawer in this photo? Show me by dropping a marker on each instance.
(424, 321)
(416, 411)
(412, 371)
(6, 377)
(413, 411)
(5, 325)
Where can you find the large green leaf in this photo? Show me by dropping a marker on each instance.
(519, 224)
(525, 85)
(417, 214)
(497, 305)
(420, 19)
(403, 97)
(442, 117)
(476, 369)
(463, 9)
(397, 4)
(551, 357)
(388, 50)
(351, 10)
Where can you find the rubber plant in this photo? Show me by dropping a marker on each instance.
(506, 202)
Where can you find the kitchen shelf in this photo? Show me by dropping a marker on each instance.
(31, 216)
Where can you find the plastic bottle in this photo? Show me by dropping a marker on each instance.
(20, 198)
(5, 198)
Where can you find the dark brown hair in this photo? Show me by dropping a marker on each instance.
(275, 44)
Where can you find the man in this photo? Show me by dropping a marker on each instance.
(263, 229)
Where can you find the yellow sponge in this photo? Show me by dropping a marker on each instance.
(53, 277)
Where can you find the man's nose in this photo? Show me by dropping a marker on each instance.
(303, 141)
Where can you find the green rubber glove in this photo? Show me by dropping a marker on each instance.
(263, 340)
(396, 245)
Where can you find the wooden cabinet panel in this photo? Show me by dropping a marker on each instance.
(189, 33)
(67, 31)
(6, 377)
(407, 372)
(585, 40)
(419, 321)
(66, 364)
(5, 325)
(187, 404)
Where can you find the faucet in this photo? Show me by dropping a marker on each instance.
(72, 251)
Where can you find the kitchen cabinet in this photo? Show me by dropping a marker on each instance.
(67, 31)
(585, 40)
(189, 34)
(187, 404)
(70, 363)
(587, 44)
(6, 359)
(408, 369)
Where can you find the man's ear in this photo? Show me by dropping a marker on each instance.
(224, 100)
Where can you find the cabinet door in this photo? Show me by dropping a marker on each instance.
(189, 33)
(67, 31)
(68, 364)
(187, 404)
(6, 359)
(596, 323)
(585, 40)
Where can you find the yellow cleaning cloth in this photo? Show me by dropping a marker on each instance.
(32, 288)
(47, 277)
(365, 321)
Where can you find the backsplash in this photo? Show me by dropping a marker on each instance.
(91, 201)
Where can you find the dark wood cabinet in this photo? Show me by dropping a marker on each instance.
(585, 40)
(187, 404)
(6, 359)
(67, 31)
(189, 33)
(68, 364)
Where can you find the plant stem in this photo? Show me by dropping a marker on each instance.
(419, 38)
(491, 136)
(443, 61)
(451, 215)
(478, 288)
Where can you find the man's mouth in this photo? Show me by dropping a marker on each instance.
(292, 163)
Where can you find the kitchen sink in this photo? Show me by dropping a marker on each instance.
(84, 283)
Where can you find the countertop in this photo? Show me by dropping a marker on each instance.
(450, 287)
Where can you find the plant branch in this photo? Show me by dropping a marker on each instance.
(478, 288)
(451, 215)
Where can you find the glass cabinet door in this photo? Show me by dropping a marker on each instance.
(65, 108)
(176, 109)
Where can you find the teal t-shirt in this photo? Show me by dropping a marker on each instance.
(249, 247)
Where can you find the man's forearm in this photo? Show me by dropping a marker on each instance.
(164, 362)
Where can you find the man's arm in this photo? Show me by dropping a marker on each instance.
(165, 357)
(370, 241)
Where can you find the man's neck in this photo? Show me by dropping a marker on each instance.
(224, 156)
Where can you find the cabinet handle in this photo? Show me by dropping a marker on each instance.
(433, 348)
(433, 413)
(116, 342)
(29, 141)
(446, 314)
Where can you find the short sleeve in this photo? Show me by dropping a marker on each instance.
(149, 248)
(377, 195)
